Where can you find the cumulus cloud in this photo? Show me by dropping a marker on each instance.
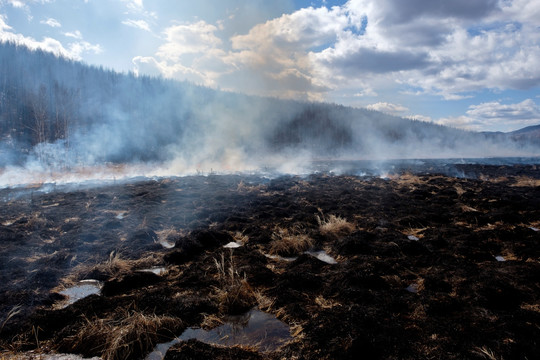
(362, 48)
(494, 116)
(188, 39)
(51, 22)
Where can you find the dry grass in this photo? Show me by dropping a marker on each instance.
(287, 242)
(486, 353)
(264, 303)
(242, 187)
(169, 233)
(13, 312)
(234, 294)
(334, 225)
(326, 303)
(211, 321)
(115, 266)
(132, 335)
(239, 237)
(524, 181)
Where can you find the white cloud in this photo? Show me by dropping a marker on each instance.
(188, 39)
(393, 109)
(134, 5)
(74, 34)
(17, 4)
(364, 48)
(492, 116)
(23, 4)
(74, 50)
(139, 24)
(51, 22)
(3, 25)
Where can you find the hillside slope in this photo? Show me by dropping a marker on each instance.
(57, 112)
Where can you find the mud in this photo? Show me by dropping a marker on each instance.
(417, 268)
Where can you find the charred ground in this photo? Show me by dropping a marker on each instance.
(416, 274)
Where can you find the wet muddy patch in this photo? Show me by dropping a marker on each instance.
(79, 291)
(254, 329)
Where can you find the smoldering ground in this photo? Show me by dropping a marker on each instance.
(417, 256)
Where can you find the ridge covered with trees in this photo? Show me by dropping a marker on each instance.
(58, 111)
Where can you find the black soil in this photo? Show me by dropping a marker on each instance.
(417, 276)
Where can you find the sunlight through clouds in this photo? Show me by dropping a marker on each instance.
(357, 52)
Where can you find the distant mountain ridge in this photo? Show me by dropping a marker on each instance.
(59, 112)
(530, 130)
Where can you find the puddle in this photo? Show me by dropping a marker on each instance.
(320, 255)
(323, 256)
(158, 270)
(83, 289)
(413, 288)
(30, 355)
(413, 238)
(166, 244)
(281, 258)
(254, 328)
(232, 245)
(121, 215)
(500, 258)
(534, 228)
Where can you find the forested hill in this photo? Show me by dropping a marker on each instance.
(55, 111)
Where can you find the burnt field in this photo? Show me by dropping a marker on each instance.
(414, 266)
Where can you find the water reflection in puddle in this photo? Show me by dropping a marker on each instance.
(500, 258)
(280, 258)
(323, 256)
(320, 255)
(413, 238)
(83, 289)
(166, 244)
(254, 328)
(156, 270)
(534, 228)
(413, 288)
(232, 245)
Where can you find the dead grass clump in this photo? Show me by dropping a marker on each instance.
(36, 221)
(326, 303)
(287, 242)
(131, 336)
(239, 237)
(524, 181)
(486, 353)
(114, 266)
(211, 321)
(334, 225)
(234, 294)
(169, 235)
(242, 187)
(17, 309)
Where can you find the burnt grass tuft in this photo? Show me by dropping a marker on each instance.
(418, 272)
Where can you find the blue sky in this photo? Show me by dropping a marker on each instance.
(468, 64)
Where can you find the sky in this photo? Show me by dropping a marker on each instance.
(472, 64)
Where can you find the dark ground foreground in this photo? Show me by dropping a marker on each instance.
(419, 272)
